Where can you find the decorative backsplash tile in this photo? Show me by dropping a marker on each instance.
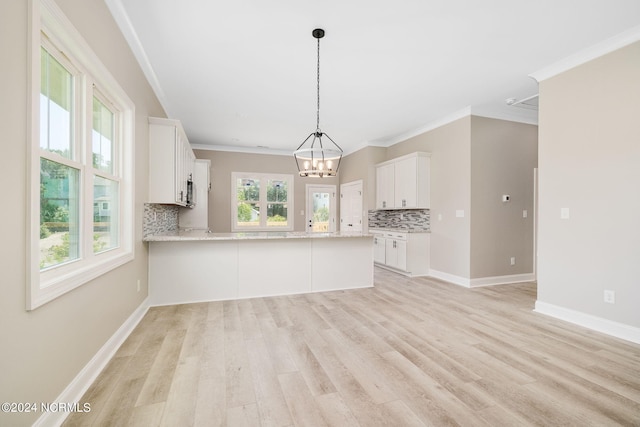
(401, 219)
(159, 219)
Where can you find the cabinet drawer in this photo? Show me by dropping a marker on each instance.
(396, 236)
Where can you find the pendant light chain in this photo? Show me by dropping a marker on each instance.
(318, 106)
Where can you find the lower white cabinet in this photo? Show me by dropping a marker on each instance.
(406, 253)
(396, 251)
(379, 248)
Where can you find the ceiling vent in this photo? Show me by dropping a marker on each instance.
(530, 103)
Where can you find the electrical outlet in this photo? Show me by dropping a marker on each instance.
(513, 260)
(138, 285)
(524, 213)
(609, 296)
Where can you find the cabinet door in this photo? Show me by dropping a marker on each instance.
(379, 250)
(401, 254)
(179, 169)
(391, 253)
(385, 186)
(405, 183)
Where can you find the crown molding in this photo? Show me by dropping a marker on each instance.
(239, 149)
(126, 27)
(526, 116)
(609, 45)
(426, 128)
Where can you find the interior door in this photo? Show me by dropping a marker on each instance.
(321, 208)
(351, 206)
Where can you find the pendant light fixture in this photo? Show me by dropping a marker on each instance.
(313, 158)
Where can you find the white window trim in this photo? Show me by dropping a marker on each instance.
(42, 287)
(263, 177)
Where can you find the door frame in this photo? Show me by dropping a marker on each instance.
(332, 209)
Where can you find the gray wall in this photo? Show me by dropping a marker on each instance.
(590, 163)
(43, 350)
(503, 157)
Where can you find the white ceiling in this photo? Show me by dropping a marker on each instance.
(242, 73)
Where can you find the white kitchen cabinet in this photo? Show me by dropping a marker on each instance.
(385, 179)
(403, 183)
(379, 248)
(198, 215)
(171, 162)
(396, 251)
(406, 253)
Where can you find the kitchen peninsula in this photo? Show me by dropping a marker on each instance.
(195, 265)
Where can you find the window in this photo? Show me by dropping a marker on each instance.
(260, 202)
(81, 166)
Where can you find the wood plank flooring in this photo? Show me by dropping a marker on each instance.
(409, 352)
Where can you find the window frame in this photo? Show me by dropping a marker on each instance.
(264, 178)
(51, 29)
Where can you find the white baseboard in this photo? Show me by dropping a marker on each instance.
(609, 327)
(456, 280)
(81, 383)
(503, 280)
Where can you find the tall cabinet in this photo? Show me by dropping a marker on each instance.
(198, 215)
(171, 163)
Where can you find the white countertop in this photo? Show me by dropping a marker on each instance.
(201, 234)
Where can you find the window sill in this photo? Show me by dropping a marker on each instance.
(47, 286)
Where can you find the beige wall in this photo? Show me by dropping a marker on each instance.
(224, 163)
(450, 148)
(589, 158)
(43, 350)
(503, 157)
(360, 165)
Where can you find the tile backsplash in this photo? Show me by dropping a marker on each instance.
(401, 219)
(159, 219)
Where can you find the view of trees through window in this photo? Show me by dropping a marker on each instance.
(61, 169)
(257, 195)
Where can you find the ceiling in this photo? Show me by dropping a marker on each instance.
(241, 74)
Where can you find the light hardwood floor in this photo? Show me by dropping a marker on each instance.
(409, 352)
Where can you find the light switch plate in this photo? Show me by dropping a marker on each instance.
(564, 213)
(459, 213)
(609, 296)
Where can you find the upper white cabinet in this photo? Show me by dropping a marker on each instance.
(403, 183)
(171, 163)
(385, 179)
